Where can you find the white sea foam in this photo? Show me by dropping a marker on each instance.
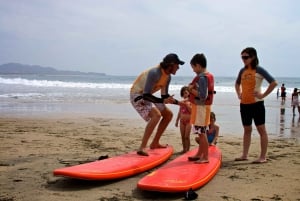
(62, 84)
(88, 85)
(17, 95)
(107, 85)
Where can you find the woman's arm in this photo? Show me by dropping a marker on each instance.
(270, 88)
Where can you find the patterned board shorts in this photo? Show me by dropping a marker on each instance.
(143, 107)
(199, 129)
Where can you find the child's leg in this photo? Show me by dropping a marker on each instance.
(187, 133)
(197, 156)
(182, 133)
(203, 149)
(204, 143)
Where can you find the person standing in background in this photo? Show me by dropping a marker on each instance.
(295, 101)
(283, 93)
(142, 99)
(248, 89)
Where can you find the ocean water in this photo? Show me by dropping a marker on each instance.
(92, 88)
(109, 96)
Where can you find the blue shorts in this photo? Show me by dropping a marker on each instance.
(255, 111)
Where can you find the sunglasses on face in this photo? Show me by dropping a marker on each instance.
(245, 57)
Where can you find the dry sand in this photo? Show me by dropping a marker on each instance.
(31, 148)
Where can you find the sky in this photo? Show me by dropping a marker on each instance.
(125, 37)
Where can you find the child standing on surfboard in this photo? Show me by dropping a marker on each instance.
(201, 96)
(183, 118)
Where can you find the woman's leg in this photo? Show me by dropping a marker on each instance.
(263, 142)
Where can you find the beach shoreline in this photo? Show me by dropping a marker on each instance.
(279, 119)
(32, 147)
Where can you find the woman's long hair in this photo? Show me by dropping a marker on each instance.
(252, 53)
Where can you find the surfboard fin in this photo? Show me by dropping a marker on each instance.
(190, 195)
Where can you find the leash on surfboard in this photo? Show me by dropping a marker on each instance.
(70, 162)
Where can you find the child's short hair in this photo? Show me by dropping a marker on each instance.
(183, 89)
(199, 59)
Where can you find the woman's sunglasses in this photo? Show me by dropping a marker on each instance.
(245, 57)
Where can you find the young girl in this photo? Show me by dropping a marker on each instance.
(212, 132)
(295, 101)
(183, 116)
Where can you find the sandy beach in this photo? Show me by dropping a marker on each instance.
(33, 146)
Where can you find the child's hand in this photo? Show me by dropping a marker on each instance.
(190, 87)
(181, 103)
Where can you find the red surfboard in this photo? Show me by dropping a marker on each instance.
(117, 167)
(180, 175)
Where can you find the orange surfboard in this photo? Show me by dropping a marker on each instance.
(180, 175)
(116, 167)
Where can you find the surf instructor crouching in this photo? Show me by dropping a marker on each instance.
(151, 108)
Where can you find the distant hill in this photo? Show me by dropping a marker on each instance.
(16, 68)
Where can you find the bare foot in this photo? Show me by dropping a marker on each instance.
(259, 161)
(142, 153)
(241, 159)
(158, 146)
(201, 161)
(193, 158)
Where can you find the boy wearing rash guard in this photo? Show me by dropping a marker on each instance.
(142, 99)
(248, 89)
(201, 96)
